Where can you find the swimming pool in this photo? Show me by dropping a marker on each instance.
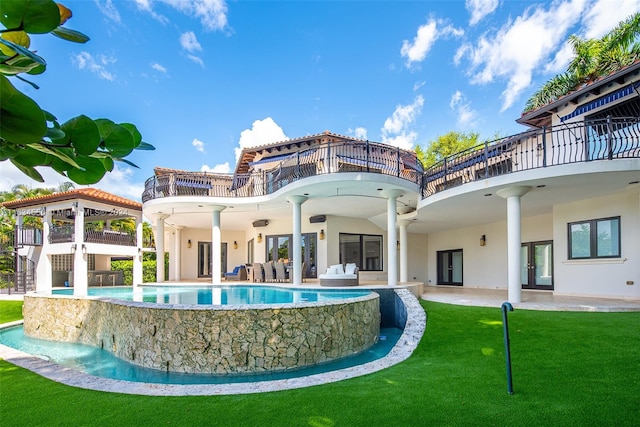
(218, 295)
(101, 363)
(188, 329)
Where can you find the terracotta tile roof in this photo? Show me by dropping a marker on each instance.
(92, 194)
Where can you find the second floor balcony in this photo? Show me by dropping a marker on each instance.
(588, 141)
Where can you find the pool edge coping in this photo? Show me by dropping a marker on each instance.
(407, 343)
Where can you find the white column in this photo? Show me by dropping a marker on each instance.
(392, 236)
(160, 248)
(80, 281)
(514, 241)
(216, 246)
(296, 202)
(44, 276)
(177, 257)
(137, 260)
(403, 224)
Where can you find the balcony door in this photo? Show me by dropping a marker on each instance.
(450, 267)
(536, 270)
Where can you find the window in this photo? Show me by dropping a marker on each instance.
(364, 250)
(597, 238)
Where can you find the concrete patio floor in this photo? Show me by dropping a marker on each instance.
(531, 300)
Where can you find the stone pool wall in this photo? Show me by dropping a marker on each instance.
(199, 339)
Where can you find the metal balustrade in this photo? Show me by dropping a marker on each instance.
(607, 139)
(328, 158)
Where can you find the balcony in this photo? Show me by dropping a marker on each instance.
(603, 139)
(66, 233)
(330, 158)
(607, 139)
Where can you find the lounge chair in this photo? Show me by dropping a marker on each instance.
(339, 275)
(238, 273)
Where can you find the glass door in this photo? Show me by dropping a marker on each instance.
(536, 270)
(204, 258)
(450, 267)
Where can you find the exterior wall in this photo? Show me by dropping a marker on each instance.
(603, 277)
(197, 339)
(340, 224)
(417, 253)
(484, 266)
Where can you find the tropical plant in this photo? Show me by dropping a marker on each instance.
(81, 148)
(593, 58)
(446, 145)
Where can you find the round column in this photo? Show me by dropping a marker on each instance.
(392, 236)
(514, 241)
(296, 254)
(160, 248)
(216, 245)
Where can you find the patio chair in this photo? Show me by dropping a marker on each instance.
(258, 274)
(268, 272)
(281, 273)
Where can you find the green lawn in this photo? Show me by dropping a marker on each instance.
(569, 369)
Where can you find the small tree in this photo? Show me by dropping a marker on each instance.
(81, 149)
(446, 145)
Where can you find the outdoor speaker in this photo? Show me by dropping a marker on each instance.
(261, 223)
(317, 218)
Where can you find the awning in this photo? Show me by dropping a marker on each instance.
(282, 157)
(603, 100)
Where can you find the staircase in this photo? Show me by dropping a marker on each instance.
(17, 273)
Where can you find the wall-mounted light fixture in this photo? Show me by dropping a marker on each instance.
(322, 234)
(483, 240)
(73, 248)
(189, 243)
(235, 244)
(259, 237)
(84, 249)
(398, 244)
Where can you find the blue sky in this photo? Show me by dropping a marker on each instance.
(203, 78)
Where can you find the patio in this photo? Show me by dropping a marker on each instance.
(531, 300)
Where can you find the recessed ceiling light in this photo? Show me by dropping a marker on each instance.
(541, 186)
(379, 189)
(488, 194)
(634, 182)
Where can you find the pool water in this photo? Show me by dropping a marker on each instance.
(101, 363)
(219, 295)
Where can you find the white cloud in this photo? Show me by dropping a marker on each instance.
(109, 10)
(145, 6)
(479, 9)
(598, 19)
(262, 132)
(118, 181)
(397, 128)
(425, 38)
(199, 145)
(189, 42)
(196, 59)
(520, 47)
(211, 13)
(462, 108)
(158, 67)
(601, 16)
(222, 168)
(84, 60)
(418, 85)
(359, 132)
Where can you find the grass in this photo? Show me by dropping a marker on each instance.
(10, 311)
(569, 369)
